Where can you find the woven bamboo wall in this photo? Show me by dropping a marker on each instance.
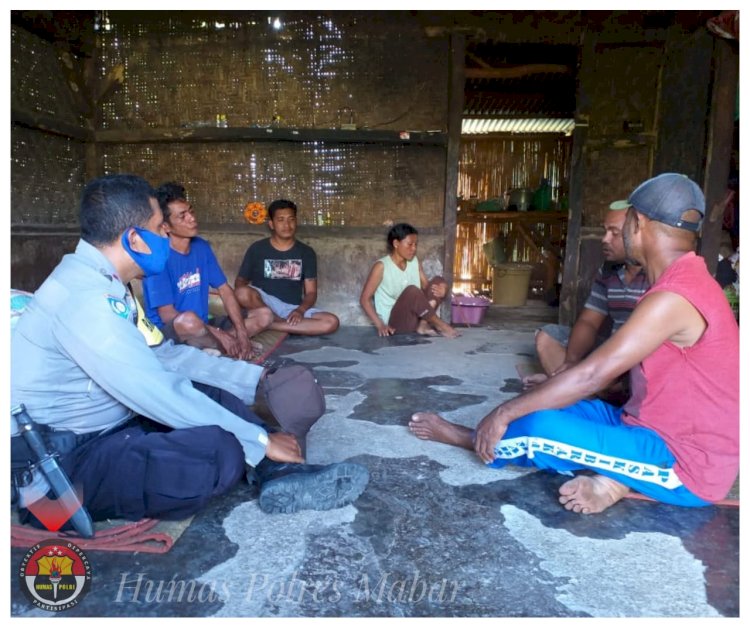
(336, 185)
(471, 268)
(490, 166)
(47, 171)
(622, 87)
(47, 176)
(37, 81)
(183, 68)
(316, 71)
(487, 168)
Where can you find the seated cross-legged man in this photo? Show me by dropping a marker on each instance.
(177, 299)
(133, 432)
(676, 439)
(280, 272)
(616, 289)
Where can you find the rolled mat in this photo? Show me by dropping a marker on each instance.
(150, 536)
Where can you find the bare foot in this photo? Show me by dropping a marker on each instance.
(429, 426)
(450, 332)
(445, 330)
(590, 494)
(534, 380)
(424, 329)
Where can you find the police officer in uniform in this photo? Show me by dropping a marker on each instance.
(138, 437)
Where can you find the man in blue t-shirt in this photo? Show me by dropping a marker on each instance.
(177, 298)
(281, 273)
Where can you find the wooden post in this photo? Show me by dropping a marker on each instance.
(455, 115)
(568, 310)
(719, 149)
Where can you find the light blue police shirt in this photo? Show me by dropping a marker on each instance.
(79, 363)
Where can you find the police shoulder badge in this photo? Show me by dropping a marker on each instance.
(118, 306)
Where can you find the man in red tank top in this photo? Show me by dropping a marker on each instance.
(677, 437)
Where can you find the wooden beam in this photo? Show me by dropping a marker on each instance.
(478, 60)
(518, 226)
(240, 134)
(48, 124)
(532, 217)
(517, 71)
(718, 154)
(452, 154)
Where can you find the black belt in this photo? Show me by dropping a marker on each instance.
(58, 441)
(23, 460)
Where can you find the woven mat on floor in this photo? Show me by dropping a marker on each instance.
(151, 536)
(732, 498)
(268, 341)
(728, 501)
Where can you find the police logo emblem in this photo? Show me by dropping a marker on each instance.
(55, 575)
(119, 306)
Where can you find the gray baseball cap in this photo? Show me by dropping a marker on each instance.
(666, 197)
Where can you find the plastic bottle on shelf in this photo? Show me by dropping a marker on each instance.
(542, 199)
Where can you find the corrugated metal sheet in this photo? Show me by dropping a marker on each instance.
(478, 126)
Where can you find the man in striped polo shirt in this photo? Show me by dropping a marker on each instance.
(614, 293)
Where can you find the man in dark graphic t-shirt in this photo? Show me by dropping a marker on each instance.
(281, 273)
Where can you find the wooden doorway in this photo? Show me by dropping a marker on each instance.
(514, 161)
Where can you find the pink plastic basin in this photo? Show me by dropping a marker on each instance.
(467, 310)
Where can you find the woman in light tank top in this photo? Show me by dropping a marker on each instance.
(397, 296)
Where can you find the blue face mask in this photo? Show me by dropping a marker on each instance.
(151, 263)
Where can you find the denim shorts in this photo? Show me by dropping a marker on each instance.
(281, 308)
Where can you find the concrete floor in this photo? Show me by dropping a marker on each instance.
(435, 533)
